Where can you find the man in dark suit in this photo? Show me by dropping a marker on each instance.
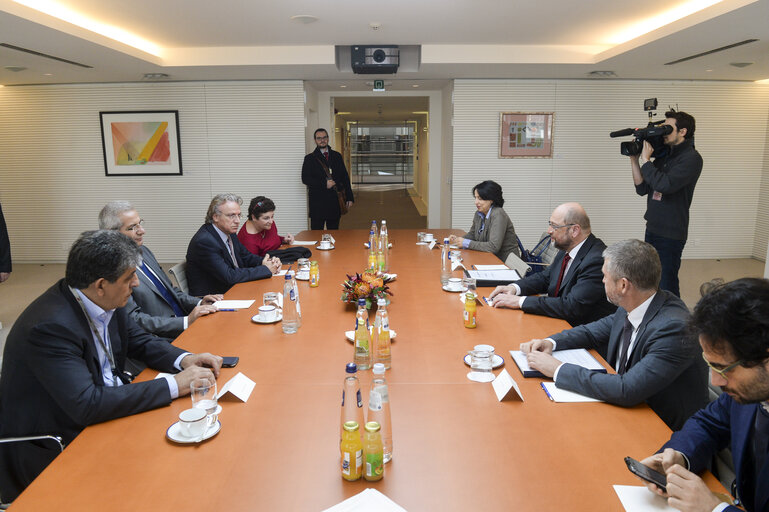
(156, 305)
(65, 355)
(322, 186)
(5, 250)
(645, 340)
(216, 260)
(732, 322)
(573, 282)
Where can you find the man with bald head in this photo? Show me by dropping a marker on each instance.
(573, 282)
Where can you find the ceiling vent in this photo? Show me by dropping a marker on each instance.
(710, 52)
(602, 74)
(45, 55)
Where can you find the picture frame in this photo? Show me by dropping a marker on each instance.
(141, 143)
(526, 134)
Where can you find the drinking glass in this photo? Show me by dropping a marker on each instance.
(480, 366)
(203, 394)
(421, 237)
(271, 299)
(468, 285)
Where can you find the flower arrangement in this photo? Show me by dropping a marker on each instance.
(368, 285)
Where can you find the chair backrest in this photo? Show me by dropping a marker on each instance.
(23, 439)
(542, 255)
(179, 273)
(517, 264)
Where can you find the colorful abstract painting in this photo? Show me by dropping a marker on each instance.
(526, 135)
(141, 143)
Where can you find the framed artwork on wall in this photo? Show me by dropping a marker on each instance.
(141, 143)
(526, 135)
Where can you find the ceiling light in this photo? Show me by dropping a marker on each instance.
(154, 76)
(425, 112)
(64, 13)
(342, 86)
(740, 64)
(343, 113)
(47, 74)
(14, 69)
(660, 20)
(415, 85)
(765, 81)
(375, 25)
(305, 18)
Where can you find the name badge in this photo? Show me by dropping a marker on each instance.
(657, 196)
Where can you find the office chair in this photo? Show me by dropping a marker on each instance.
(179, 273)
(23, 439)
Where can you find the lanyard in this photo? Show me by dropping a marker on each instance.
(107, 349)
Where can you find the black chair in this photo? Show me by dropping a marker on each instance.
(23, 439)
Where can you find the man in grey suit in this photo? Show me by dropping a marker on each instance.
(156, 305)
(645, 340)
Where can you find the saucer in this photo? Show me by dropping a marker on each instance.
(452, 290)
(422, 243)
(302, 276)
(174, 433)
(496, 361)
(324, 249)
(350, 335)
(258, 320)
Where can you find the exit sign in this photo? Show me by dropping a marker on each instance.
(379, 85)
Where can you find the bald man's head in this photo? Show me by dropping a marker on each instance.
(569, 226)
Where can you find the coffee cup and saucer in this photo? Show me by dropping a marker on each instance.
(267, 315)
(453, 285)
(325, 245)
(192, 427)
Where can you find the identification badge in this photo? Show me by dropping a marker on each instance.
(657, 196)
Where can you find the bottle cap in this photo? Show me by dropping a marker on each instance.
(313, 263)
(384, 221)
(288, 276)
(378, 369)
(352, 426)
(371, 426)
(361, 302)
(446, 240)
(381, 302)
(352, 368)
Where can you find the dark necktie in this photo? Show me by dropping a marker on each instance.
(326, 155)
(231, 250)
(566, 259)
(627, 332)
(165, 292)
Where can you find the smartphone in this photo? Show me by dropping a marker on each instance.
(230, 362)
(646, 473)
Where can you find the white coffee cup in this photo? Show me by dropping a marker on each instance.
(325, 244)
(429, 237)
(454, 283)
(192, 422)
(268, 313)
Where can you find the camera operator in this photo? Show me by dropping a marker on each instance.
(668, 182)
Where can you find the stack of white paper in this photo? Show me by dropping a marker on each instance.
(640, 499)
(369, 500)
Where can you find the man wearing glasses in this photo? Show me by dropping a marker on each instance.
(156, 305)
(216, 260)
(573, 282)
(645, 341)
(324, 173)
(732, 322)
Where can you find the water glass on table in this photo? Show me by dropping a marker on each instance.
(468, 285)
(203, 394)
(271, 299)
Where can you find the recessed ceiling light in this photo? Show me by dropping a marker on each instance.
(47, 74)
(709, 70)
(343, 113)
(305, 18)
(342, 86)
(415, 85)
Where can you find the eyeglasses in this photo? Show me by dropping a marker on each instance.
(322, 138)
(556, 226)
(722, 371)
(232, 216)
(134, 227)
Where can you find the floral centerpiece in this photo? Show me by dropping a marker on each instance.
(368, 285)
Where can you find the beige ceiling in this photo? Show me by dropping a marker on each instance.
(239, 40)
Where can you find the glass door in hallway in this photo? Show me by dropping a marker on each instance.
(382, 154)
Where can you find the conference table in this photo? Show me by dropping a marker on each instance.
(456, 447)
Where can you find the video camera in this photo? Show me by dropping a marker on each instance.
(654, 132)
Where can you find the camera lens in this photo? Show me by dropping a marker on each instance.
(379, 56)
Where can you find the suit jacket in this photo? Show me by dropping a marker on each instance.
(323, 201)
(52, 383)
(498, 234)
(5, 245)
(666, 369)
(209, 265)
(725, 423)
(150, 309)
(582, 298)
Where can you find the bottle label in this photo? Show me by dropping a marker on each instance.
(383, 393)
(358, 461)
(386, 324)
(374, 401)
(360, 400)
(374, 464)
(292, 295)
(346, 463)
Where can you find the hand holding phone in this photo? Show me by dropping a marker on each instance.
(646, 473)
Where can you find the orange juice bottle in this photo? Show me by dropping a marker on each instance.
(373, 452)
(314, 274)
(470, 311)
(352, 452)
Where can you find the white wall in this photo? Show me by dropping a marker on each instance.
(241, 137)
(731, 135)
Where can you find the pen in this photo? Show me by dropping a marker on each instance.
(226, 309)
(546, 392)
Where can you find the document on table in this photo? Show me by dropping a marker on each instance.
(233, 304)
(493, 277)
(304, 242)
(563, 396)
(369, 500)
(640, 499)
(491, 267)
(578, 356)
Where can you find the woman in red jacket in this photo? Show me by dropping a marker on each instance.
(259, 233)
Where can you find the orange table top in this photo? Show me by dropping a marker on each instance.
(455, 446)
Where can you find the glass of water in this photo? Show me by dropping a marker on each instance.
(468, 285)
(203, 393)
(271, 299)
(480, 366)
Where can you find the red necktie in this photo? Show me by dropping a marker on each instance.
(565, 262)
(326, 155)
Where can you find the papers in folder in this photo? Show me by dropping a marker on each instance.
(562, 396)
(493, 277)
(578, 356)
(233, 304)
